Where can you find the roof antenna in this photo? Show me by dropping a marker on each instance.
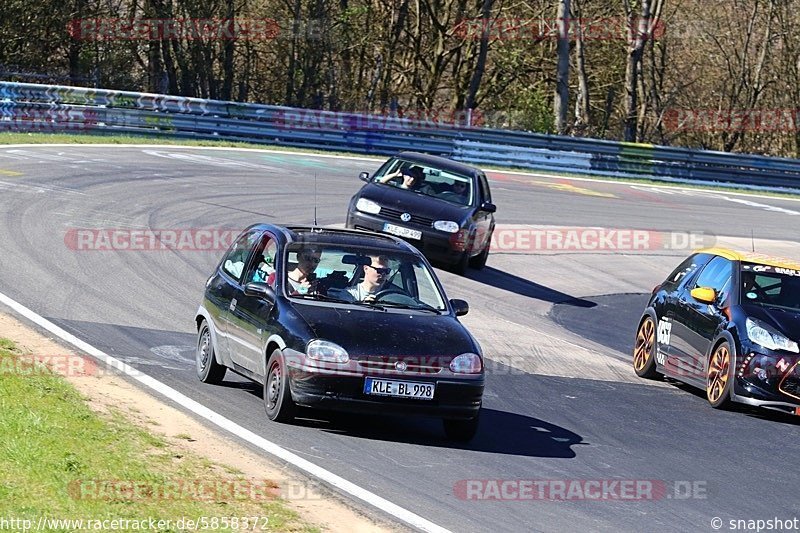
(315, 199)
(752, 240)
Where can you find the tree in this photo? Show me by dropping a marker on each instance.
(561, 95)
(640, 31)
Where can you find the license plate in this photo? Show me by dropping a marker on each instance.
(400, 231)
(400, 389)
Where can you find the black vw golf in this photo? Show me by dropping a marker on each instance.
(339, 319)
(727, 322)
(442, 207)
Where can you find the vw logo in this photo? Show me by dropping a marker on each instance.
(401, 366)
(405, 217)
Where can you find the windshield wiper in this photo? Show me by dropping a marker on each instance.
(373, 305)
(421, 307)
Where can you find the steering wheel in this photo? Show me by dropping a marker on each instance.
(386, 292)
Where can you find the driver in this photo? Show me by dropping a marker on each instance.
(375, 276)
(749, 285)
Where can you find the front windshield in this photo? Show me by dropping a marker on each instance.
(770, 286)
(361, 276)
(429, 181)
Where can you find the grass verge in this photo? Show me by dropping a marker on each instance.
(61, 460)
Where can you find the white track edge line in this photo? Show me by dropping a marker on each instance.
(215, 418)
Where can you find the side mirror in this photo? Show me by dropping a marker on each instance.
(461, 307)
(488, 207)
(260, 290)
(364, 176)
(704, 295)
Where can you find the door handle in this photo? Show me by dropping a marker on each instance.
(232, 307)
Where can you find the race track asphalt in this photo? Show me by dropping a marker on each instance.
(562, 402)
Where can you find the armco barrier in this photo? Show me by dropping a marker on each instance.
(32, 107)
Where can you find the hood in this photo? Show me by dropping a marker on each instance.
(786, 321)
(388, 333)
(419, 204)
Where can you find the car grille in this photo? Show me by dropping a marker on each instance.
(791, 383)
(394, 214)
(414, 365)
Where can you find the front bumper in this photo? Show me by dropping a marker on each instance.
(435, 245)
(771, 381)
(343, 390)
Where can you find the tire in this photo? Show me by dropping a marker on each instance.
(277, 398)
(208, 369)
(479, 261)
(719, 377)
(644, 349)
(460, 267)
(461, 430)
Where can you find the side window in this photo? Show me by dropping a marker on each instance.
(486, 195)
(387, 168)
(687, 268)
(264, 261)
(234, 262)
(716, 275)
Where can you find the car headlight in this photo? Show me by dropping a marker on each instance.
(446, 225)
(767, 337)
(467, 363)
(329, 352)
(368, 206)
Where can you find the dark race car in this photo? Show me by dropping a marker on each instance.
(727, 322)
(342, 320)
(442, 207)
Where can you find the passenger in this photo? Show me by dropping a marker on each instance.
(460, 188)
(376, 274)
(302, 279)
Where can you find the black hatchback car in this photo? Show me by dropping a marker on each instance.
(727, 322)
(343, 320)
(442, 207)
